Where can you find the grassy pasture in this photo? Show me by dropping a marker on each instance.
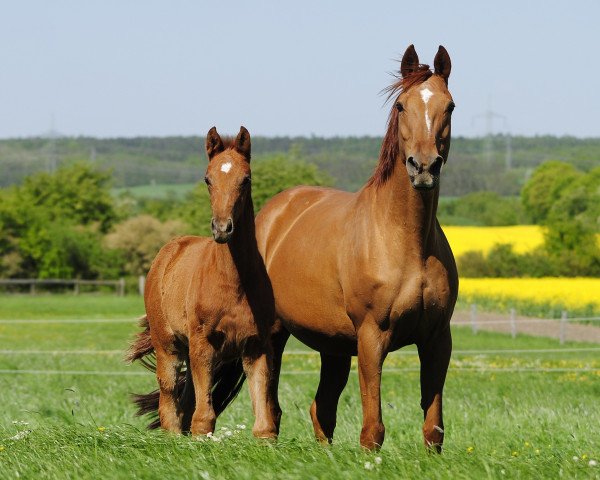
(504, 417)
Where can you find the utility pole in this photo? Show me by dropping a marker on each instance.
(489, 117)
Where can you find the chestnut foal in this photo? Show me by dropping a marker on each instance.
(209, 306)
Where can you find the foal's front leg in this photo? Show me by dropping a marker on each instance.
(202, 360)
(258, 371)
(372, 349)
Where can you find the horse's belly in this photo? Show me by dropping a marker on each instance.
(311, 305)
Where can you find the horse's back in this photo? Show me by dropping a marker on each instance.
(289, 208)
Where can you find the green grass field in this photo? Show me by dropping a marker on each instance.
(69, 416)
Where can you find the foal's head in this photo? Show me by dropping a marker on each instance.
(228, 180)
(419, 130)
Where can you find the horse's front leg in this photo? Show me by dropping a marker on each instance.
(202, 362)
(435, 357)
(372, 349)
(257, 366)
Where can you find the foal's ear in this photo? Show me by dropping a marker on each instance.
(214, 144)
(242, 142)
(410, 61)
(442, 64)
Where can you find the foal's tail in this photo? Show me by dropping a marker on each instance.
(228, 380)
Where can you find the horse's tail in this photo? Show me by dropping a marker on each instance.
(227, 382)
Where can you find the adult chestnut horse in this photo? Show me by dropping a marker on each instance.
(369, 272)
(209, 305)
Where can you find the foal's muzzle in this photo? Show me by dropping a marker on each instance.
(222, 230)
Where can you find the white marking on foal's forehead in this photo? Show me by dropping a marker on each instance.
(426, 94)
(226, 167)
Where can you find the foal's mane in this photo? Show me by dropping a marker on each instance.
(390, 148)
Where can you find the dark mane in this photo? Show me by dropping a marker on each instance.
(390, 148)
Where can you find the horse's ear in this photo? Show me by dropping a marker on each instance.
(214, 144)
(442, 64)
(410, 61)
(242, 143)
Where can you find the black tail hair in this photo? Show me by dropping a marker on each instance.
(227, 383)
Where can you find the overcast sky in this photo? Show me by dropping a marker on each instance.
(125, 68)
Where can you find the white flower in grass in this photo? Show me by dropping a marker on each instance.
(205, 475)
(229, 433)
(378, 460)
(20, 423)
(20, 435)
(240, 426)
(369, 466)
(224, 428)
(592, 463)
(575, 458)
(215, 438)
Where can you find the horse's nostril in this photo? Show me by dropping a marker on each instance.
(411, 161)
(436, 166)
(229, 228)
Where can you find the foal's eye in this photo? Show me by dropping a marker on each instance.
(246, 181)
(399, 107)
(207, 181)
(450, 108)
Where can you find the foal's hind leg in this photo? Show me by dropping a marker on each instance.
(323, 411)
(166, 374)
(435, 357)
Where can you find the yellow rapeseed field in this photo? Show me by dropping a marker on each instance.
(524, 238)
(573, 293)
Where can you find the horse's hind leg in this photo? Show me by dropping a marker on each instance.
(166, 374)
(258, 372)
(323, 411)
(279, 338)
(435, 357)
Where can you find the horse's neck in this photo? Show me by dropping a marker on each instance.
(397, 207)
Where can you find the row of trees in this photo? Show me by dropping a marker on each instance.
(566, 202)
(68, 224)
(349, 160)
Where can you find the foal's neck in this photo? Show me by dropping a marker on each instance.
(242, 246)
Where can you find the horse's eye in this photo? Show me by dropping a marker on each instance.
(399, 106)
(246, 181)
(451, 107)
(207, 181)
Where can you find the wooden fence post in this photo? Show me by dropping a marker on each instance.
(76, 286)
(513, 323)
(474, 318)
(141, 284)
(563, 326)
(121, 287)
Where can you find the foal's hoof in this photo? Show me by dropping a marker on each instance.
(371, 438)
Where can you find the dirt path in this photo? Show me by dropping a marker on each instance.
(499, 322)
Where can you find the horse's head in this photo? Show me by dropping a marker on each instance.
(228, 180)
(424, 109)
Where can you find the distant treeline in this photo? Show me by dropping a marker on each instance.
(496, 164)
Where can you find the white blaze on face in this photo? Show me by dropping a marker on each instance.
(226, 167)
(426, 94)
